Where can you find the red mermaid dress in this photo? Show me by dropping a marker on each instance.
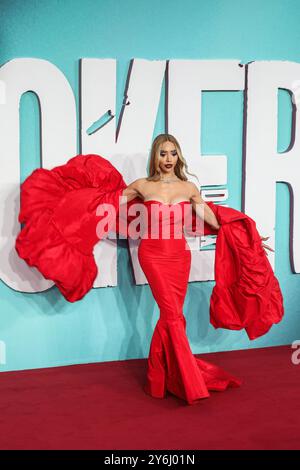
(165, 258)
(58, 210)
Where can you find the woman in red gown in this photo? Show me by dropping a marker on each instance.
(165, 259)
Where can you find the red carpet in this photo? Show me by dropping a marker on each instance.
(103, 406)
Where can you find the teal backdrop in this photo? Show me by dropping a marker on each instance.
(113, 323)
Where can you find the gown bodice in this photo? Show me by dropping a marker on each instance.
(164, 220)
(162, 230)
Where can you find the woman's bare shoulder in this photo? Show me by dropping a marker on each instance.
(193, 189)
(138, 182)
(192, 185)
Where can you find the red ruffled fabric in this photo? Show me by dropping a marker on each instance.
(58, 208)
(247, 293)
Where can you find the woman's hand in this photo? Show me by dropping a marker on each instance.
(266, 246)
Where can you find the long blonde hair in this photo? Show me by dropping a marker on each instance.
(181, 166)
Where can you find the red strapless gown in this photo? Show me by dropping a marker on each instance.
(166, 263)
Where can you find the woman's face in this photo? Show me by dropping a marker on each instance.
(167, 157)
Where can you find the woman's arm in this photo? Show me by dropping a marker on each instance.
(201, 208)
(132, 191)
(209, 215)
